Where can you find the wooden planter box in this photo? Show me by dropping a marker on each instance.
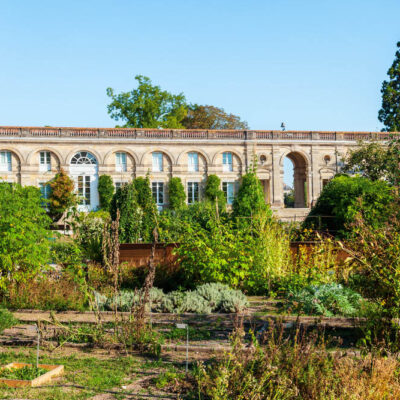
(53, 370)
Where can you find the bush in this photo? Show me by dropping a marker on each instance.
(24, 234)
(176, 194)
(62, 195)
(7, 320)
(88, 231)
(344, 197)
(327, 300)
(66, 253)
(204, 300)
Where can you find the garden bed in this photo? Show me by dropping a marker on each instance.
(29, 372)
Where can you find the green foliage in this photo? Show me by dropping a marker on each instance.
(62, 196)
(245, 257)
(125, 200)
(27, 373)
(369, 159)
(106, 191)
(213, 191)
(344, 197)
(148, 208)
(327, 300)
(88, 231)
(389, 114)
(288, 199)
(7, 320)
(24, 233)
(250, 197)
(147, 106)
(205, 299)
(66, 253)
(210, 117)
(176, 194)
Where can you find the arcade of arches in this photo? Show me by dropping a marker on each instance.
(32, 156)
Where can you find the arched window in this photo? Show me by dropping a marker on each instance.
(83, 157)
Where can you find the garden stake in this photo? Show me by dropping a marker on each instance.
(37, 350)
(183, 326)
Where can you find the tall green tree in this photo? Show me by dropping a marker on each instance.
(370, 159)
(125, 200)
(176, 194)
(210, 117)
(147, 206)
(250, 200)
(62, 195)
(106, 191)
(24, 233)
(147, 106)
(213, 191)
(389, 114)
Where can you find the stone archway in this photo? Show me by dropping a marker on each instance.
(300, 181)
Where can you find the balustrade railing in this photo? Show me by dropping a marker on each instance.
(163, 134)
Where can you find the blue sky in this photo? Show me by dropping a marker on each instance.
(314, 64)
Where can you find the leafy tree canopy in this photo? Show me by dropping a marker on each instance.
(210, 117)
(370, 159)
(389, 114)
(24, 233)
(147, 106)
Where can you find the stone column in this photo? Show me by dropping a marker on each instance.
(277, 178)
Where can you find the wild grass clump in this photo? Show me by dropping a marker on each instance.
(292, 369)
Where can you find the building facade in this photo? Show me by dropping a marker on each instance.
(33, 155)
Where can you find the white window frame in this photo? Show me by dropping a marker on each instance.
(225, 189)
(84, 191)
(5, 161)
(227, 161)
(44, 161)
(157, 161)
(158, 192)
(121, 161)
(193, 161)
(191, 197)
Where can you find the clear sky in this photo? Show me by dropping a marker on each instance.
(314, 64)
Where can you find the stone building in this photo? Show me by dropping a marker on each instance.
(32, 156)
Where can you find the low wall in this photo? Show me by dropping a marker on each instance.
(138, 254)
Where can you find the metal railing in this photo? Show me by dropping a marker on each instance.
(187, 134)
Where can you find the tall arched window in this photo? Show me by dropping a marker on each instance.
(83, 157)
(84, 171)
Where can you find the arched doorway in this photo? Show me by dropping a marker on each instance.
(84, 171)
(296, 193)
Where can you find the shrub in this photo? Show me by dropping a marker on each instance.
(213, 191)
(176, 194)
(250, 199)
(204, 300)
(62, 195)
(328, 300)
(106, 191)
(344, 197)
(66, 253)
(24, 233)
(125, 200)
(88, 230)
